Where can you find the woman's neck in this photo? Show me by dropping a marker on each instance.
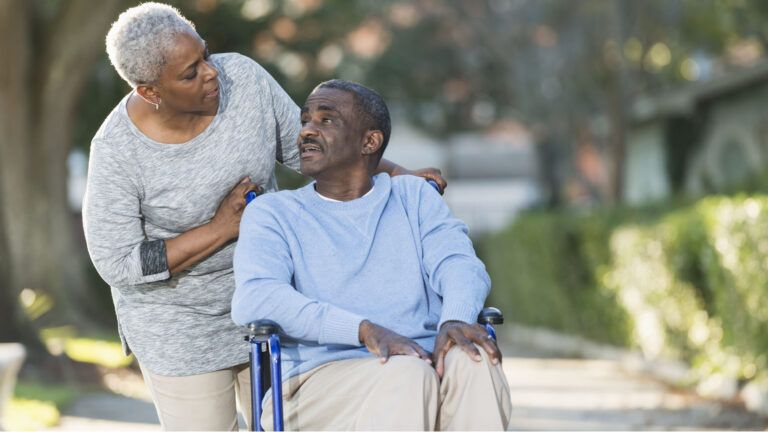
(165, 126)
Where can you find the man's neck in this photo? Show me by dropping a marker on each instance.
(344, 187)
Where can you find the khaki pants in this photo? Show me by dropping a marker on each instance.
(201, 402)
(403, 394)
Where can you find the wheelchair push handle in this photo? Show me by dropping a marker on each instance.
(250, 196)
(260, 330)
(490, 315)
(435, 185)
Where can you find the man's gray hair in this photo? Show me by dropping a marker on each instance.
(141, 37)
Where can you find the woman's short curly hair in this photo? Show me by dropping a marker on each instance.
(138, 41)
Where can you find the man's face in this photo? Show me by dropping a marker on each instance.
(330, 137)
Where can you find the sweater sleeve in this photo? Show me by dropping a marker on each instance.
(112, 222)
(263, 273)
(287, 122)
(453, 270)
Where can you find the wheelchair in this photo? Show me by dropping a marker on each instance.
(264, 340)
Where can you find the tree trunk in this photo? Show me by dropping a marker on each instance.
(618, 105)
(39, 91)
(13, 328)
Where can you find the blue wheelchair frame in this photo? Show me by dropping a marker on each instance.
(264, 341)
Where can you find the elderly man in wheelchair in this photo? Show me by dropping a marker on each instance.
(373, 280)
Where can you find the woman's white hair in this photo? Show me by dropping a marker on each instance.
(140, 38)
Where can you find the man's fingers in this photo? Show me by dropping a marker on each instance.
(399, 348)
(440, 363)
(489, 345)
(410, 349)
(438, 358)
(467, 346)
(481, 337)
(422, 353)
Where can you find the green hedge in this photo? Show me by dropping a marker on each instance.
(689, 283)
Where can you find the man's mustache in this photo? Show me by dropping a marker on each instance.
(309, 140)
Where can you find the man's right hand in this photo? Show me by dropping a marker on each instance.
(227, 216)
(384, 343)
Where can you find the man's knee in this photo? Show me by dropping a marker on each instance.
(404, 395)
(475, 393)
(457, 358)
(410, 379)
(410, 369)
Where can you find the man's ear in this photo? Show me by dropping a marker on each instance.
(148, 93)
(372, 141)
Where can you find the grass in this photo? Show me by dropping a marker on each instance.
(30, 415)
(105, 353)
(37, 406)
(102, 351)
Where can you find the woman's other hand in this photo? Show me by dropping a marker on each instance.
(394, 169)
(432, 174)
(226, 220)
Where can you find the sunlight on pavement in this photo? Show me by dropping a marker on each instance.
(576, 394)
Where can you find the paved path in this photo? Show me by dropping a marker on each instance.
(105, 412)
(567, 394)
(548, 394)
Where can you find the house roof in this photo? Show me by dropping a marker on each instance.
(683, 101)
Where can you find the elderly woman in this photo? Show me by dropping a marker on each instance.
(169, 169)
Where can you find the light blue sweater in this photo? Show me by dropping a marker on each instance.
(319, 268)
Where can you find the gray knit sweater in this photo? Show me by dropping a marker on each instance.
(141, 192)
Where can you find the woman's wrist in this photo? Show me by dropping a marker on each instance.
(219, 232)
(398, 170)
(390, 168)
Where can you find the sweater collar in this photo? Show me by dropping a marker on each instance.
(381, 187)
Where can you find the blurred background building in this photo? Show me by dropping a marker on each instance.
(710, 137)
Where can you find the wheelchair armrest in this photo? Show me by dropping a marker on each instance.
(490, 315)
(260, 330)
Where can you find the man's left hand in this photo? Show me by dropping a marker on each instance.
(465, 336)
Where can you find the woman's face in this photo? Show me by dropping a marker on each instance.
(188, 81)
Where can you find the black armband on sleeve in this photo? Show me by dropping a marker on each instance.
(153, 257)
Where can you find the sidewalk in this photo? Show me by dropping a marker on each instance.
(109, 412)
(569, 394)
(552, 393)
(547, 393)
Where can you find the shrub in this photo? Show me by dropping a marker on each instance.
(545, 270)
(689, 283)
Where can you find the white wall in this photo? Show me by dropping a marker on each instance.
(489, 205)
(645, 175)
(734, 144)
